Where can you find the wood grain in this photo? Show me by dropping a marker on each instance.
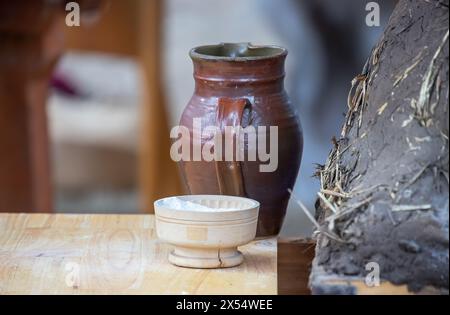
(295, 257)
(115, 254)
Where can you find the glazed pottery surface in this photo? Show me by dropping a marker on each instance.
(242, 85)
(206, 229)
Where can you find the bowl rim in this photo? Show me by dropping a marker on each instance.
(207, 216)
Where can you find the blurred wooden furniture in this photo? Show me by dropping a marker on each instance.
(30, 43)
(294, 259)
(115, 254)
(32, 34)
(133, 28)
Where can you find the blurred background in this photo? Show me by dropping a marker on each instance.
(125, 77)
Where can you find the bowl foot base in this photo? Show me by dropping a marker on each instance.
(205, 258)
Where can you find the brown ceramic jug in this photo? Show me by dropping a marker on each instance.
(242, 85)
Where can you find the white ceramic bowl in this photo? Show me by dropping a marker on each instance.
(206, 229)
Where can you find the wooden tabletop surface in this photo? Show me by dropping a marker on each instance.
(115, 254)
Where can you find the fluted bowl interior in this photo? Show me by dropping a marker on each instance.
(206, 207)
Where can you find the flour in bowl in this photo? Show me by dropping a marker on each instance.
(180, 204)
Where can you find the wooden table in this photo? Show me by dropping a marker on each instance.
(115, 254)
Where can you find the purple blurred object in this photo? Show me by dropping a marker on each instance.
(63, 85)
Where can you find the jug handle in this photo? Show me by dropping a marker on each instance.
(229, 173)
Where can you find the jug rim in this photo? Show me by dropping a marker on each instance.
(237, 52)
